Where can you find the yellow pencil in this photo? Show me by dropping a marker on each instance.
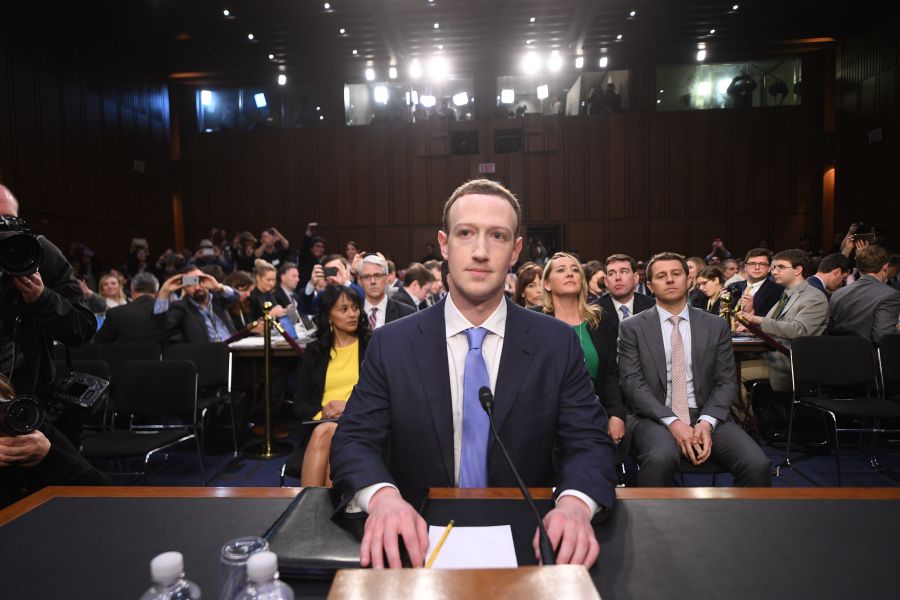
(440, 543)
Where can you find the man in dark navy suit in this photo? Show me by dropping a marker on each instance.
(418, 388)
(764, 292)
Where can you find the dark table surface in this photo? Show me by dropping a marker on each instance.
(698, 543)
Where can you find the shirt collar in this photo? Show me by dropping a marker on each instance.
(617, 304)
(665, 315)
(381, 306)
(456, 323)
(199, 306)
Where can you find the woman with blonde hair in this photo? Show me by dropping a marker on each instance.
(110, 287)
(565, 298)
(265, 279)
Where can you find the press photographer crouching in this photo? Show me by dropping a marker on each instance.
(40, 301)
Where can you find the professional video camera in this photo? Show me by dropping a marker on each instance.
(20, 251)
(20, 415)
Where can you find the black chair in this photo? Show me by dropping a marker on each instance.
(155, 393)
(889, 366)
(88, 351)
(213, 362)
(832, 365)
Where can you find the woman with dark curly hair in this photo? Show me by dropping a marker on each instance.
(329, 371)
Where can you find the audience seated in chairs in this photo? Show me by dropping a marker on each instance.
(264, 291)
(134, 322)
(831, 274)
(241, 311)
(334, 270)
(565, 297)
(329, 371)
(677, 371)
(111, 290)
(286, 291)
(622, 278)
(757, 290)
(417, 284)
(529, 289)
(201, 314)
(378, 308)
(868, 306)
(710, 281)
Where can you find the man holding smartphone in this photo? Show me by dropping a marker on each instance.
(201, 314)
(334, 270)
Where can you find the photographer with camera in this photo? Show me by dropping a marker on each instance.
(34, 454)
(40, 301)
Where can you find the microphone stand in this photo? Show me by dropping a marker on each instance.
(487, 402)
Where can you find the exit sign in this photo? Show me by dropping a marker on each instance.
(487, 168)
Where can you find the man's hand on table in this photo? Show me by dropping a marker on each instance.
(570, 532)
(392, 517)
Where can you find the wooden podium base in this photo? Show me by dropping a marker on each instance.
(524, 583)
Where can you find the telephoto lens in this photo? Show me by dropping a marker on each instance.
(21, 415)
(20, 251)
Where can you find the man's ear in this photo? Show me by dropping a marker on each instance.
(442, 242)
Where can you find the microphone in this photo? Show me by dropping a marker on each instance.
(487, 403)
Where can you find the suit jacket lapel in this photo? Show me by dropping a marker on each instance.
(430, 352)
(699, 344)
(514, 362)
(652, 333)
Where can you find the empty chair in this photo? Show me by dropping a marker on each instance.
(153, 394)
(831, 364)
(88, 351)
(889, 366)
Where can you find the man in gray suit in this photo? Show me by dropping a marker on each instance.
(676, 367)
(867, 307)
(801, 311)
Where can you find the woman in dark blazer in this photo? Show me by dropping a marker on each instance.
(328, 373)
(565, 298)
(266, 280)
(710, 281)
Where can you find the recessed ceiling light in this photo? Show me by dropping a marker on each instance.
(604, 62)
(370, 74)
(321, 117)
(632, 13)
(579, 62)
(661, 91)
(531, 20)
(437, 25)
(343, 31)
(249, 36)
(619, 37)
(701, 55)
(529, 42)
(282, 79)
(392, 72)
(355, 52)
(327, 6)
(659, 101)
(226, 12)
(712, 32)
(735, 7)
(271, 57)
(440, 46)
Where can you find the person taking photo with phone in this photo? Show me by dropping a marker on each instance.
(201, 315)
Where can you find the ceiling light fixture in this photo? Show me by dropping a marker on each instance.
(250, 36)
(370, 74)
(355, 52)
(701, 55)
(282, 79)
(712, 32)
(226, 12)
(531, 20)
(531, 64)
(554, 63)
(437, 25)
(619, 37)
(326, 6)
(604, 62)
(415, 69)
(579, 62)
(342, 31)
(271, 57)
(392, 73)
(632, 14)
(735, 7)
(438, 69)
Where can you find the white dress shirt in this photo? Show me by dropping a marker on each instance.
(382, 310)
(457, 348)
(684, 326)
(629, 305)
(754, 287)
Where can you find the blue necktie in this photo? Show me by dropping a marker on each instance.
(473, 455)
(624, 310)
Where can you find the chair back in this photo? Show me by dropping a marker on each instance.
(88, 351)
(154, 388)
(212, 359)
(832, 361)
(116, 355)
(889, 363)
(97, 368)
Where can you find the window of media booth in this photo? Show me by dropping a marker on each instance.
(272, 107)
(379, 103)
(729, 85)
(562, 94)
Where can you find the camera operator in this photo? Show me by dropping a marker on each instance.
(38, 304)
(40, 458)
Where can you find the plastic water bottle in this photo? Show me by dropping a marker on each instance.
(167, 572)
(262, 571)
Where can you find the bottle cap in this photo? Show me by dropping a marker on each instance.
(262, 567)
(166, 568)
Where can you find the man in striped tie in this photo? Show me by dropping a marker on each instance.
(419, 389)
(676, 367)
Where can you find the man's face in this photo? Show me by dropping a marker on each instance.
(833, 280)
(480, 247)
(197, 292)
(420, 292)
(373, 281)
(437, 287)
(290, 279)
(730, 269)
(342, 275)
(620, 280)
(668, 281)
(757, 268)
(785, 274)
(318, 250)
(266, 238)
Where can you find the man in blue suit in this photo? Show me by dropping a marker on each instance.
(418, 387)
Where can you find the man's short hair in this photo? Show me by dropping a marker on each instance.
(797, 258)
(392, 268)
(834, 261)
(622, 258)
(340, 257)
(710, 273)
(316, 240)
(871, 258)
(284, 268)
(666, 256)
(144, 283)
(488, 188)
(417, 273)
(758, 252)
(432, 264)
(372, 259)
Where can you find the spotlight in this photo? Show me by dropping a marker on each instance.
(461, 99)
(507, 96)
(206, 98)
(531, 20)
(326, 6)
(604, 62)
(381, 94)
(735, 7)
(271, 57)
(321, 117)
(543, 92)
(712, 32)
(355, 52)
(392, 73)
(437, 69)
(342, 31)
(249, 36)
(619, 37)
(282, 79)
(370, 74)
(722, 85)
(437, 25)
(555, 61)
(701, 55)
(427, 101)
(260, 100)
(704, 89)
(579, 62)
(226, 12)
(530, 63)
(415, 69)
(632, 13)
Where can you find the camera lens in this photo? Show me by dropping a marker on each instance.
(21, 415)
(20, 254)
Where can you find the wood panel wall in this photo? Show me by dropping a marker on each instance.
(868, 90)
(637, 182)
(69, 140)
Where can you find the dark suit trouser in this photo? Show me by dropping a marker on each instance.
(658, 454)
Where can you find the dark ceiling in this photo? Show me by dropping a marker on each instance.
(197, 41)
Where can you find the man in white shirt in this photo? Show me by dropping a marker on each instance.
(419, 388)
(621, 279)
(379, 309)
